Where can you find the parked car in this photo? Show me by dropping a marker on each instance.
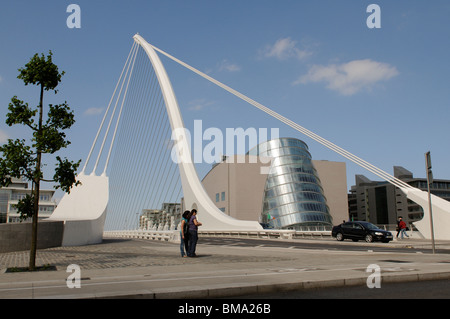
(359, 230)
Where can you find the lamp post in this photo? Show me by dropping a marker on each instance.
(429, 182)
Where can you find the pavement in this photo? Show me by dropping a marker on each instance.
(150, 269)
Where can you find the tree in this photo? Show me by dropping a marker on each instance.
(21, 160)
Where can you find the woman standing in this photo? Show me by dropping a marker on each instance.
(184, 235)
(193, 233)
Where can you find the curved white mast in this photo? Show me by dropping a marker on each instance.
(441, 207)
(84, 209)
(195, 195)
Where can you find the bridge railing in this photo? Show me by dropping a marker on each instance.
(161, 235)
(269, 234)
(174, 235)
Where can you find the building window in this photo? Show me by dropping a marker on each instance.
(223, 196)
(217, 197)
(222, 209)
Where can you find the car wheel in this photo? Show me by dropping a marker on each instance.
(369, 238)
(339, 237)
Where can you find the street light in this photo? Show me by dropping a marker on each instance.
(429, 182)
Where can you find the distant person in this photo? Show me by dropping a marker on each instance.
(193, 233)
(398, 226)
(184, 234)
(402, 227)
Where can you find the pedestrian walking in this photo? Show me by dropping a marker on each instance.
(402, 227)
(398, 226)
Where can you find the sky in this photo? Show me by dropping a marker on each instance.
(380, 93)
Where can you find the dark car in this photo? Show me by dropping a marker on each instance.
(358, 230)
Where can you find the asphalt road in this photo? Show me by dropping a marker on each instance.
(436, 289)
(318, 244)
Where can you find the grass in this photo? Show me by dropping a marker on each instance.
(27, 269)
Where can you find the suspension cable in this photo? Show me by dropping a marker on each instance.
(375, 170)
(107, 111)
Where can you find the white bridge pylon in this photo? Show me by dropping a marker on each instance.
(195, 195)
(84, 209)
(440, 207)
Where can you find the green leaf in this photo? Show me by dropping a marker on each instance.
(60, 117)
(25, 207)
(42, 72)
(49, 140)
(17, 160)
(20, 113)
(65, 174)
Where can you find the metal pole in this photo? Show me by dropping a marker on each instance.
(429, 181)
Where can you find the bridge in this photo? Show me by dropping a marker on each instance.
(141, 158)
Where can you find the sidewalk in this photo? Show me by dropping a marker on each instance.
(136, 268)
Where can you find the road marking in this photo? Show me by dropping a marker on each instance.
(246, 275)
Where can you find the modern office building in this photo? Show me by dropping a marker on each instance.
(166, 218)
(381, 203)
(279, 185)
(18, 189)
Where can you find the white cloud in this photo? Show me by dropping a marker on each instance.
(349, 78)
(93, 111)
(285, 48)
(200, 104)
(228, 66)
(3, 137)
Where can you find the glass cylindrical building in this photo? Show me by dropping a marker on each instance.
(293, 195)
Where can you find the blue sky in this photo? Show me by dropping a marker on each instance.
(382, 94)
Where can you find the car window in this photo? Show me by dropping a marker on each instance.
(357, 226)
(347, 225)
(371, 226)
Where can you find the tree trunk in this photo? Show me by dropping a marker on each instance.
(36, 182)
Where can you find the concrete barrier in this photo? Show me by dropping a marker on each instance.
(17, 236)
